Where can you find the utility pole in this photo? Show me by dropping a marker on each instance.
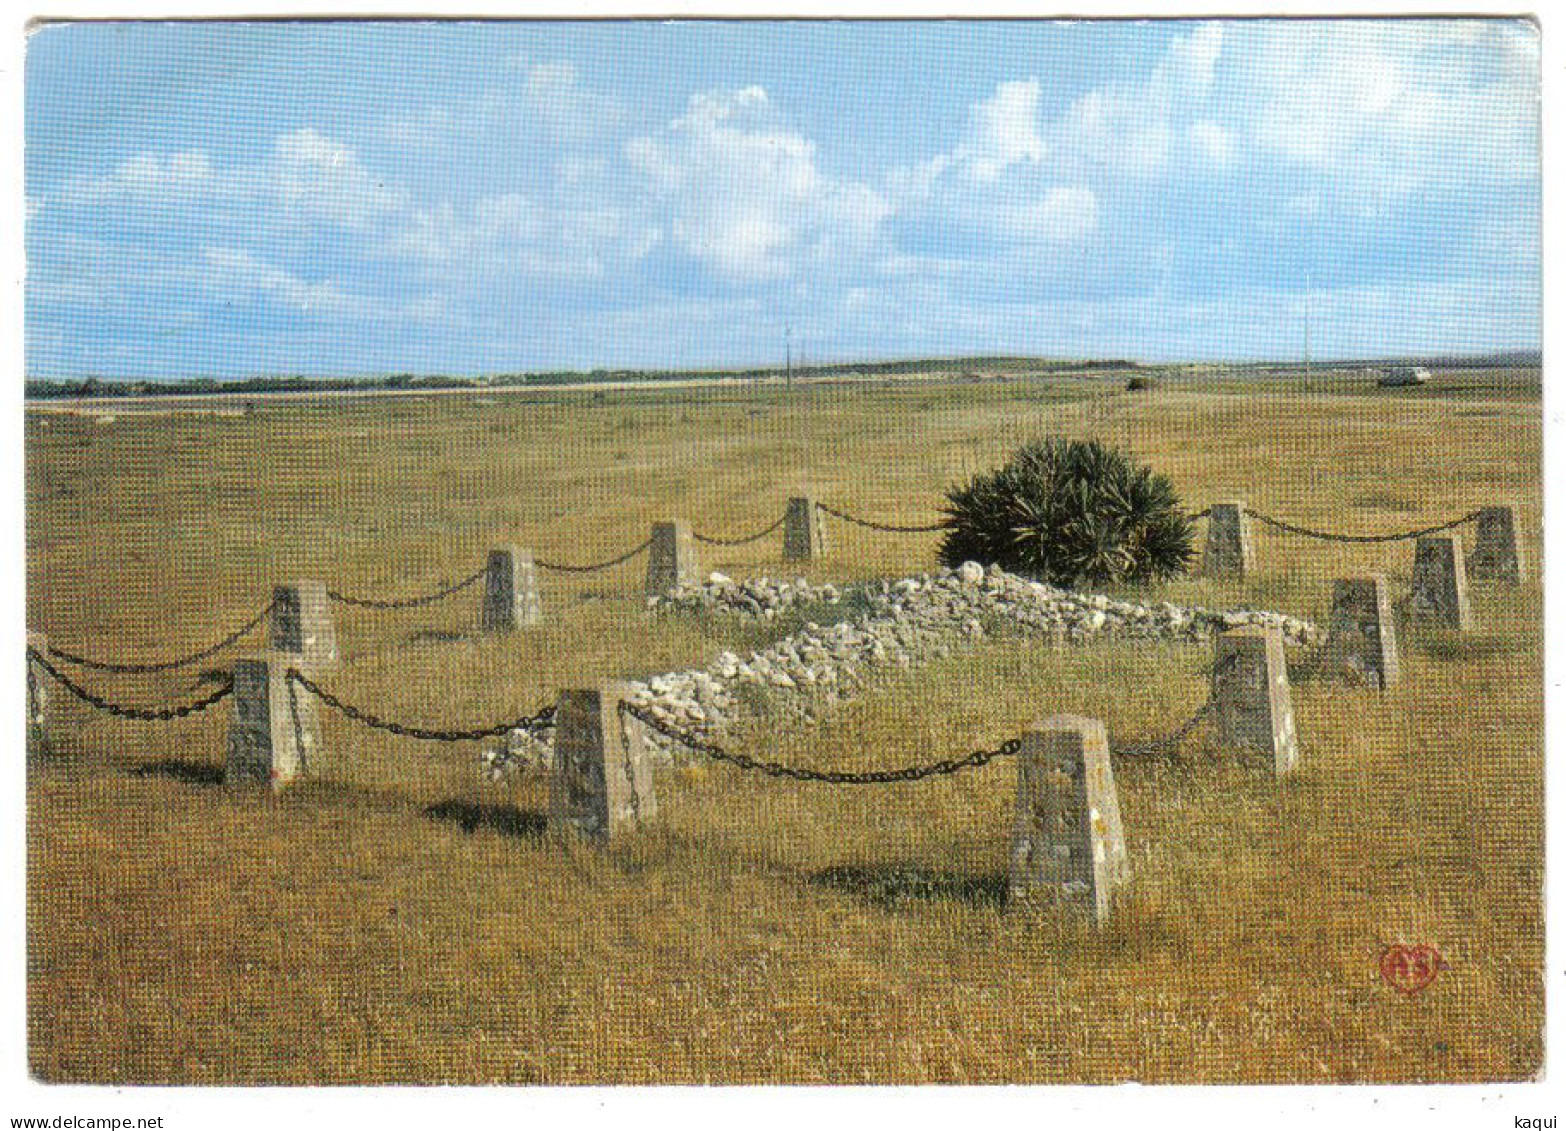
(788, 355)
(1307, 326)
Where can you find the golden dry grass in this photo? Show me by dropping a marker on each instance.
(402, 921)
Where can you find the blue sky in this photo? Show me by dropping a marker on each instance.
(239, 199)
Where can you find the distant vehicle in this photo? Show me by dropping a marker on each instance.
(1405, 375)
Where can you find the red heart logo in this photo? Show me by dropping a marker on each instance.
(1410, 969)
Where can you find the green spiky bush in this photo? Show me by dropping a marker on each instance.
(1070, 512)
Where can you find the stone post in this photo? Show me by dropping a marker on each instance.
(1495, 556)
(511, 597)
(1230, 553)
(302, 624)
(600, 782)
(1438, 588)
(37, 700)
(1251, 696)
(804, 530)
(1361, 633)
(275, 733)
(671, 559)
(1067, 843)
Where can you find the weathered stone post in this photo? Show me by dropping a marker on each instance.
(671, 559)
(302, 623)
(275, 734)
(37, 699)
(1438, 587)
(1068, 844)
(511, 596)
(804, 530)
(1230, 553)
(600, 781)
(1251, 696)
(1495, 556)
(1361, 633)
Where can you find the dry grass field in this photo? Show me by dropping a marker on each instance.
(401, 919)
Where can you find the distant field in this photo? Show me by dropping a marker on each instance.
(352, 931)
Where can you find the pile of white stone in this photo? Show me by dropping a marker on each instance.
(907, 622)
(763, 598)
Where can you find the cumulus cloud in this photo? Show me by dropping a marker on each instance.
(744, 194)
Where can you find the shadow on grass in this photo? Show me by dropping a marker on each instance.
(891, 886)
(1460, 647)
(191, 773)
(507, 820)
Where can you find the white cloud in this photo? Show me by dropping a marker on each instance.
(744, 193)
(1065, 215)
(305, 176)
(1385, 109)
(1002, 131)
(568, 109)
(235, 274)
(1213, 142)
(1131, 129)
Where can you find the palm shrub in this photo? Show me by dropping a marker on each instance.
(1070, 512)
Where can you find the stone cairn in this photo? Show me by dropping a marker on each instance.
(671, 558)
(1250, 695)
(274, 735)
(1362, 633)
(1495, 556)
(907, 622)
(600, 781)
(1067, 843)
(804, 530)
(1230, 553)
(302, 623)
(511, 594)
(1438, 587)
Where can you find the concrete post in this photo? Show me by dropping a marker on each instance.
(1251, 695)
(37, 700)
(1361, 632)
(804, 530)
(1230, 553)
(1495, 556)
(600, 782)
(1438, 588)
(302, 624)
(275, 734)
(671, 559)
(1067, 843)
(511, 596)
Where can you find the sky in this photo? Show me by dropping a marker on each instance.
(340, 198)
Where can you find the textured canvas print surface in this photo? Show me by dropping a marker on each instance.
(784, 552)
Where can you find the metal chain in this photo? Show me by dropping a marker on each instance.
(1169, 742)
(1324, 536)
(540, 721)
(830, 777)
(882, 526)
(758, 536)
(560, 567)
(1197, 516)
(408, 602)
(162, 665)
(143, 714)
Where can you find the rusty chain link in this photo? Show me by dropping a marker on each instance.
(830, 777)
(882, 526)
(120, 668)
(542, 720)
(1158, 747)
(1322, 535)
(749, 538)
(408, 602)
(142, 714)
(560, 567)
